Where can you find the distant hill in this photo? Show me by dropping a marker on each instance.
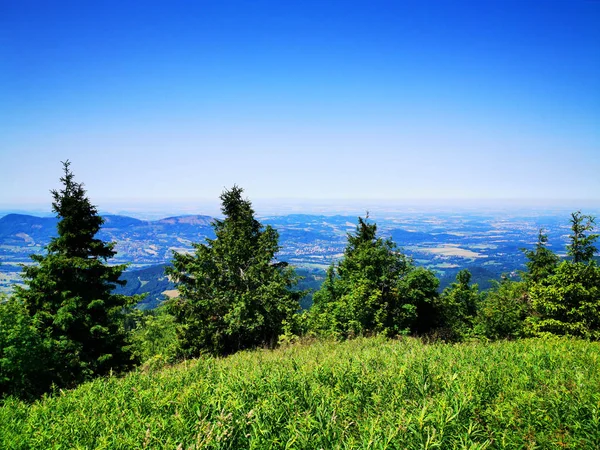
(22, 228)
(138, 241)
(488, 245)
(112, 222)
(151, 281)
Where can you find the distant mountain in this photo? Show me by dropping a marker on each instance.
(489, 245)
(153, 282)
(22, 229)
(112, 221)
(138, 241)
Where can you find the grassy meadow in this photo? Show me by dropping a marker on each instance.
(368, 393)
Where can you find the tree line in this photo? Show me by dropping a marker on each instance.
(66, 326)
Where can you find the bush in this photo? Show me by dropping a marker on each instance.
(568, 302)
(154, 336)
(503, 311)
(24, 355)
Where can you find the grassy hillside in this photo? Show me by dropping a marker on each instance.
(365, 393)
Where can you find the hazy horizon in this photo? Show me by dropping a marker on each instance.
(275, 207)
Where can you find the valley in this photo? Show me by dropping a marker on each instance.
(487, 243)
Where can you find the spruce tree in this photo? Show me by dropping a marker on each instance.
(68, 291)
(568, 302)
(581, 247)
(233, 294)
(541, 261)
(373, 289)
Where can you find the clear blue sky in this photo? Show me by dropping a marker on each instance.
(173, 100)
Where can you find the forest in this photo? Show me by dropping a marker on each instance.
(378, 318)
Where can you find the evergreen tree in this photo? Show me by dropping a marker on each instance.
(373, 289)
(581, 247)
(232, 293)
(568, 302)
(69, 291)
(541, 262)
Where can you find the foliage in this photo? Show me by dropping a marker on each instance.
(581, 246)
(541, 262)
(154, 335)
(361, 394)
(232, 293)
(503, 311)
(24, 357)
(68, 292)
(373, 289)
(568, 302)
(458, 306)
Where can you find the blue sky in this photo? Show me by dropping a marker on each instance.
(173, 101)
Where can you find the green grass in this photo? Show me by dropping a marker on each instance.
(366, 393)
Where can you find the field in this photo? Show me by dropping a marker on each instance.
(366, 393)
(452, 250)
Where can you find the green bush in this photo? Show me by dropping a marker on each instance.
(568, 302)
(457, 307)
(24, 355)
(154, 336)
(503, 311)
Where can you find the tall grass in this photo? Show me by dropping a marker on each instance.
(365, 393)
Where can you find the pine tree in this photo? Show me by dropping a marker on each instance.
(69, 291)
(568, 302)
(541, 262)
(373, 289)
(581, 247)
(233, 295)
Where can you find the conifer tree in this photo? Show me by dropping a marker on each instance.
(69, 291)
(541, 262)
(374, 289)
(581, 247)
(233, 295)
(568, 302)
